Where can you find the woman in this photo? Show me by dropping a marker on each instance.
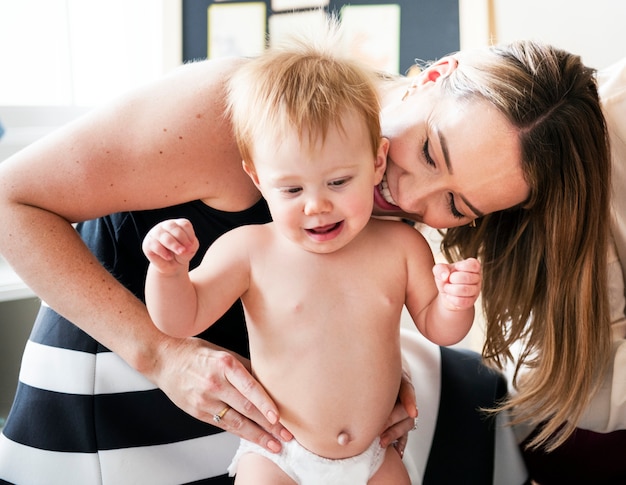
(457, 155)
(547, 261)
(557, 314)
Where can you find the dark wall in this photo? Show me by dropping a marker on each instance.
(429, 29)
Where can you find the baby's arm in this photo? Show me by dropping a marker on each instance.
(458, 283)
(170, 296)
(450, 315)
(183, 303)
(443, 308)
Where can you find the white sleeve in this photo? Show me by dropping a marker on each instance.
(423, 360)
(468, 387)
(612, 89)
(607, 410)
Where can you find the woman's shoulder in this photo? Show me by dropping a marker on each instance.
(207, 70)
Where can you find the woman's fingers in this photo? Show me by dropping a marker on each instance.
(245, 427)
(253, 413)
(402, 418)
(398, 433)
(406, 394)
(209, 379)
(257, 397)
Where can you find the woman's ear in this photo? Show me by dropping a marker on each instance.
(442, 68)
(380, 164)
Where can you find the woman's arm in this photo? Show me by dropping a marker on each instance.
(158, 146)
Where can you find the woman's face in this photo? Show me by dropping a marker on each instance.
(450, 161)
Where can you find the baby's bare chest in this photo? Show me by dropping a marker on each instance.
(331, 294)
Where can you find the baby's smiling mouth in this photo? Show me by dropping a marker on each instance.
(324, 229)
(385, 192)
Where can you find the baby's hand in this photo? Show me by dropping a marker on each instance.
(170, 244)
(459, 282)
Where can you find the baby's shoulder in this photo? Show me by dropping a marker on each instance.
(400, 238)
(249, 232)
(396, 228)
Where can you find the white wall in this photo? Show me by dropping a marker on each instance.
(56, 58)
(84, 52)
(596, 30)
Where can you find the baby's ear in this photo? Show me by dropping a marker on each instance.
(248, 167)
(380, 164)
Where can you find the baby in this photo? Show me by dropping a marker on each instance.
(323, 285)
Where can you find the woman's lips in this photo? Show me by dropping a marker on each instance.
(383, 198)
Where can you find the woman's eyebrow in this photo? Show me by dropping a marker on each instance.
(446, 158)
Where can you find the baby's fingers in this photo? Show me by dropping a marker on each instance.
(171, 238)
(177, 235)
(470, 265)
(464, 278)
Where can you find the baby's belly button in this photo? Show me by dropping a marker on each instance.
(343, 444)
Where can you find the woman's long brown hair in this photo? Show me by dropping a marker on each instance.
(545, 262)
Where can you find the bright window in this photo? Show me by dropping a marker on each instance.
(83, 52)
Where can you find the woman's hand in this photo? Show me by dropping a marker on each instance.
(402, 418)
(204, 380)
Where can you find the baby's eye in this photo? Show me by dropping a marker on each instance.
(339, 182)
(290, 190)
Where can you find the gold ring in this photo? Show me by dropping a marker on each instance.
(218, 417)
(415, 423)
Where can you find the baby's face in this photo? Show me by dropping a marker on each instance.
(320, 192)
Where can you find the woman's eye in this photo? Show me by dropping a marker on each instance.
(427, 156)
(453, 210)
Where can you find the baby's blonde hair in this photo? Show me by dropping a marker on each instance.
(301, 84)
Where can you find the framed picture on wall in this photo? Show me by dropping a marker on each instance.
(379, 47)
(428, 29)
(248, 39)
(282, 24)
(391, 34)
(292, 5)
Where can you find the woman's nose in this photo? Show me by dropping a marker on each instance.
(416, 201)
(427, 191)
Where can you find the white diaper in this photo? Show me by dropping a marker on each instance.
(307, 468)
